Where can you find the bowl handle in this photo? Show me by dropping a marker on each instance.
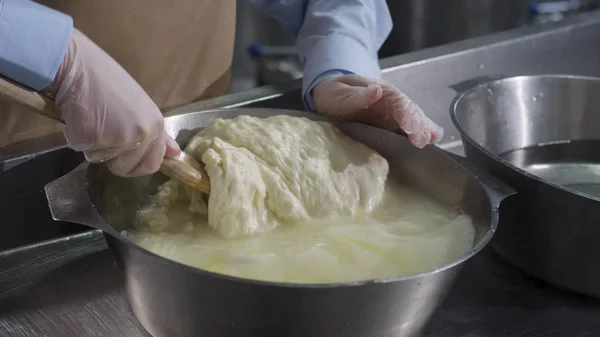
(69, 200)
(495, 188)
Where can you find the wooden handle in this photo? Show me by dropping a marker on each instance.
(184, 168)
(29, 99)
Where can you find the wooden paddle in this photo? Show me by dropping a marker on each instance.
(184, 168)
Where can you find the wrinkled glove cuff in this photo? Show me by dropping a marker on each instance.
(307, 98)
(335, 55)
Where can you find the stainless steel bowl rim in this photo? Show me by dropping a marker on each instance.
(495, 79)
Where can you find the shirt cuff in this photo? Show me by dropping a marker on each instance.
(33, 42)
(332, 56)
(307, 97)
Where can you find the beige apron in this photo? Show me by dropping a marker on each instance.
(179, 51)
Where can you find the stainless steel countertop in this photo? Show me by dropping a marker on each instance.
(71, 286)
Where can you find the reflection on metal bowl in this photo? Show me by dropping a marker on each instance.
(171, 299)
(541, 135)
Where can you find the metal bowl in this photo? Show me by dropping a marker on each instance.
(541, 135)
(171, 299)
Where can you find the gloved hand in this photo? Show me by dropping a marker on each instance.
(376, 102)
(107, 114)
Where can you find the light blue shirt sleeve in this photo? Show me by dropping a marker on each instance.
(33, 41)
(334, 37)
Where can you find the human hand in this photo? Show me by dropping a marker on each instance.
(107, 114)
(376, 102)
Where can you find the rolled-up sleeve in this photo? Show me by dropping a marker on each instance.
(334, 37)
(33, 41)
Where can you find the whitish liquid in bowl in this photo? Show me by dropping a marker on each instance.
(572, 164)
(407, 233)
(294, 200)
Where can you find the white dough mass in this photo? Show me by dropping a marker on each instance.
(276, 171)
